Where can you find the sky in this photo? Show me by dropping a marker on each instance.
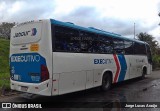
(116, 16)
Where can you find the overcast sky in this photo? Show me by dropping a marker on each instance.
(116, 16)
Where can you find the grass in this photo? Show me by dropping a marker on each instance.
(4, 80)
(4, 63)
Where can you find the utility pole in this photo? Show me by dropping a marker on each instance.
(134, 31)
(159, 25)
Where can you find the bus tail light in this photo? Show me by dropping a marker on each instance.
(44, 73)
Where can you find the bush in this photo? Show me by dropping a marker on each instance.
(4, 64)
(156, 61)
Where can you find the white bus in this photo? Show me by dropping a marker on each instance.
(49, 57)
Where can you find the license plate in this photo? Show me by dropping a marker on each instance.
(24, 88)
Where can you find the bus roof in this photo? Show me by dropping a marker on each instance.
(93, 30)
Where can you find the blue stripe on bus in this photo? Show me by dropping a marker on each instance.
(123, 65)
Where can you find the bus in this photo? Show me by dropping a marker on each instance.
(50, 57)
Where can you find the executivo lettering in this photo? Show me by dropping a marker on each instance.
(25, 58)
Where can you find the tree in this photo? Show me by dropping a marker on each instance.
(150, 40)
(154, 47)
(5, 29)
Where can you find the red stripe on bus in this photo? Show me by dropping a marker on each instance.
(118, 68)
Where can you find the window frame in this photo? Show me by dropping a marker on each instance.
(89, 33)
(119, 39)
(110, 39)
(132, 46)
(54, 42)
(96, 36)
(139, 48)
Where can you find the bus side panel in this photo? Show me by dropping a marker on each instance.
(72, 81)
(97, 77)
(149, 68)
(55, 82)
(89, 79)
(80, 71)
(127, 70)
(136, 65)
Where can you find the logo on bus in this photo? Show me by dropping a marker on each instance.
(34, 31)
(103, 61)
(31, 32)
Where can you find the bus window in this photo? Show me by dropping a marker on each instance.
(118, 46)
(139, 49)
(87, 41)
(105, 44)
(128, 47)
(66, 39)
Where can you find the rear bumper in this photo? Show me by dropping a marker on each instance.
(34, 88)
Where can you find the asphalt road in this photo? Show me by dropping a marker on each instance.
(137, 91)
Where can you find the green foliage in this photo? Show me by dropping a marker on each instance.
(4, 80)
(4, 63)
(4, 55)
(150, 40)
(5, 29)
(154, 47)
(156, 61)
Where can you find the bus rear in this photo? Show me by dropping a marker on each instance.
(31, 57)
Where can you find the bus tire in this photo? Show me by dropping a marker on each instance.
(106, 82)
(144, 72)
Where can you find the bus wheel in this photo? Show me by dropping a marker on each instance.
(106, 82)
(144, 72)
